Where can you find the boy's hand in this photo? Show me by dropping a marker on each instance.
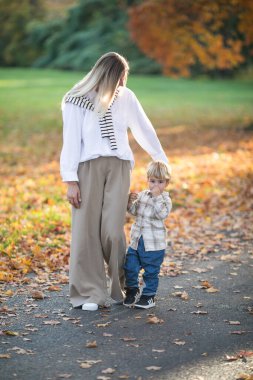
(155, 191)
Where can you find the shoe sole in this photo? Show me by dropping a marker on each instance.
(130, 306)
(144, 306)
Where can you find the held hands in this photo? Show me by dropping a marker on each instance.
(73, 194)
(132, 197)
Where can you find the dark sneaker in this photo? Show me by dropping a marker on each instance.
(145, 302)
(132, 294)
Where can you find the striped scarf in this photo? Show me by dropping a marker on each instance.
(105, 122)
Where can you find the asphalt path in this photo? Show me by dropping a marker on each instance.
(196, 334)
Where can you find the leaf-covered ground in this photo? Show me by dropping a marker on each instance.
(205, 127)
(212, 191)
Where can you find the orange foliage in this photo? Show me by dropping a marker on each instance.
(179, 34)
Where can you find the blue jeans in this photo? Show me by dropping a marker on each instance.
(139, 259)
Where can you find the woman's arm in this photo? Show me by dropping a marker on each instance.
(143, 131)
(72, 136)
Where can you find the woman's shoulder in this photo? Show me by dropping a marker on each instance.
(71, 108)
(126, 93)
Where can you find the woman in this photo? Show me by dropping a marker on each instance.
(96, 161)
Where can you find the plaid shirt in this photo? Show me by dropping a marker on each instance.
(150, 213)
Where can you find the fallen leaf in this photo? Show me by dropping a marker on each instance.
(199, 312)
(154, 320)
(52, 323)
(32, 329)
(184, 295)
(231, 358)
(154, 350)
(21, 351)
(37, 295)
(54, 288)
(205, 284)
(212, 290)
(92, 344)
(199, 270)
(88, 363)
(245, 376)
(239, 355)
(107, 334)
(9, 293)
(153, 368)
(108, 370)
(128, 339)
(64, 375)
(5, 356)
(103, 324)
(232, 258)
(85, 365)
(245, 354)
(9, 332)
(179, 342)
(40, 316)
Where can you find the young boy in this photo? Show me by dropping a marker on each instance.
(148, 236)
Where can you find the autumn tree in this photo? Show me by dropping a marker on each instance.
(16, 17)
(90, 29)
(180, 34)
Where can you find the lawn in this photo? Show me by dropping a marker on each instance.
(29, 94)
(205, 128)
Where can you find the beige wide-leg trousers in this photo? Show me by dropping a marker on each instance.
(98, 231)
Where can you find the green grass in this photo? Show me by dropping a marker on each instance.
(30, 100)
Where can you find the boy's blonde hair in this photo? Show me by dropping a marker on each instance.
(159, 170)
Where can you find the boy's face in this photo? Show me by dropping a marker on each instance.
(157, 184)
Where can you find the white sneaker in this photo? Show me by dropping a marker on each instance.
(90, 306)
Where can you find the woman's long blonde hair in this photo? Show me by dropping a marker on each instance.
(104, 78)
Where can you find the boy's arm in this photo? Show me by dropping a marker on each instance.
(162, 205)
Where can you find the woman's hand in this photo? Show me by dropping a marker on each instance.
(73, 194)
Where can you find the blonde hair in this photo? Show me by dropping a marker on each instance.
(103, 78)
(159, 170)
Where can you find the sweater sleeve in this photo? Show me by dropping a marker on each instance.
(143, 131)
(162, 205)
(72, 136)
